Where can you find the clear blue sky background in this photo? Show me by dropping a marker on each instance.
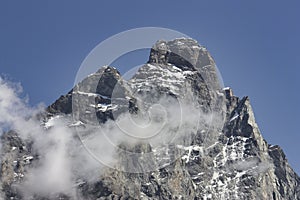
(254, 43)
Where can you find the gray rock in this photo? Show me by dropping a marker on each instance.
(229, 160)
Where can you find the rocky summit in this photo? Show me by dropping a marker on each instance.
(172, 131)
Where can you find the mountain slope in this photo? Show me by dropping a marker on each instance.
(185, 136)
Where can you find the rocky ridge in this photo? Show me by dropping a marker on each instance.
(229, 160)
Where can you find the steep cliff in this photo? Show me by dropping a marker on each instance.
(187, 137)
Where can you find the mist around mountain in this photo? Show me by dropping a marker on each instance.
(172, 131)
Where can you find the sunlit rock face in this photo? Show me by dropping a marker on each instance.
(186, 137)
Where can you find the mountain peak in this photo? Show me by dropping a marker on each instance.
(170, 132)
(187, 54)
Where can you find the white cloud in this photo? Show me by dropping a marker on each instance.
(62, 157)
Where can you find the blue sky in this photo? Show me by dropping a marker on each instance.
(254, 43)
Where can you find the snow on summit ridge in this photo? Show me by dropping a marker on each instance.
(172, 131)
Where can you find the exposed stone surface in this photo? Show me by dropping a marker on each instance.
(231, 161)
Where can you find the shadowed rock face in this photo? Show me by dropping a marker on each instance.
(231, 161)
(186, 54)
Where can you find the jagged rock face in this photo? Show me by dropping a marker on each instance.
(186, 54)
(92, 98)
(14, 162)
(230, 160)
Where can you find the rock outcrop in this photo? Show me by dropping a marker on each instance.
(225, 157)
